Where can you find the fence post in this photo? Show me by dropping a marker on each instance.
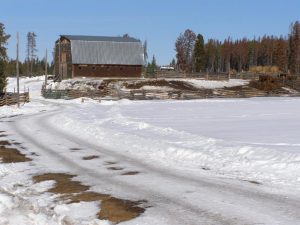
(5, 97)
(28, 95)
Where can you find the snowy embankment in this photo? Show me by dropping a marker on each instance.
(214, 84)
(252, 139)
(75, 84)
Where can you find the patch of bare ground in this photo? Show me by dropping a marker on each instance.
(11, 155)
(17, 143)
(235, 88)
(176, 84)
(88, 196)
(63, 183)
(113, 209)
(110, 163)
(75, 149)
(119, 210)
(266, 83)
(4, 143)
(205, 168)
(90, 157)
(115, 168)
(130, 173)
(34, 154)
(3, 135)
(253, 182)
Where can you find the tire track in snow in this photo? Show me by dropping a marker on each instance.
(171, 205)
(278, 204)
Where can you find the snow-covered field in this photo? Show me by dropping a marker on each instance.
(216, 161)
(255, 139)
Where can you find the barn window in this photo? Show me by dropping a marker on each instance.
(121, 68)
(93, 68)
(79, 67)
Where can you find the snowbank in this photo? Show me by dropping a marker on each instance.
(28, 108)
(254, 139)
(75, 84)
(211, 84)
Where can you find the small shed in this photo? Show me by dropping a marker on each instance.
(98, 56)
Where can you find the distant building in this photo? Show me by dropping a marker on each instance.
(97, 56)
(167, 68)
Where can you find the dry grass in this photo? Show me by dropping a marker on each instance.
(112, 209)
(4, 143)
(119, 210)
(88, 196)
(266, 83)
(64, 183)
(11, 155)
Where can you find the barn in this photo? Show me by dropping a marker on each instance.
(98, 56)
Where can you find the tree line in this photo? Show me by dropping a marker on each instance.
(31, 66)
(195, 55)
(3, 57)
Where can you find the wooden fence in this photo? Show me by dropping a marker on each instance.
(206, 76)
(12, 98)
(187, 95)
(73, 94)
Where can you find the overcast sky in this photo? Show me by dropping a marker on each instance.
(157, 21)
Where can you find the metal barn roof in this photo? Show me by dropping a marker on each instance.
(99, 38)
(106, 50)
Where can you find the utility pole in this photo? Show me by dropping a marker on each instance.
(59, 59)
(46, 68)
(17, 69)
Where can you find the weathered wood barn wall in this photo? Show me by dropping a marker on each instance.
(93, 56)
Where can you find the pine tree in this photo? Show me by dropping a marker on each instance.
(173, 63)
(153, 63)
(145, 52)
(31, 52)
(227, 52)
(3, 57)
(184, 47)
(199, 54)
(281, 57)
(295, 48)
